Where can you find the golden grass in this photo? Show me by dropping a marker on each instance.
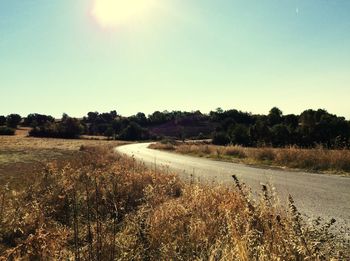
(20, 155)
(101, 206)
(19, 148)
(318, 159)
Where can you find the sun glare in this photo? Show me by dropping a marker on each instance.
(111, 13)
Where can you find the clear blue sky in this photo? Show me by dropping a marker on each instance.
(62, 56)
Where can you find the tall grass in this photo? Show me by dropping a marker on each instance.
(100, 206)
(318, 159)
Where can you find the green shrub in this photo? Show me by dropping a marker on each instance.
(221, 138)
(7, 131)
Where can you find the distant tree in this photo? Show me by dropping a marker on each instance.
(141, 119)
(35, 119)
(239, 134)
(2, 120)
(113, 114)
(109, 133)
(280, 135)
(260, 133)
(116, 126)
(291, 120)
(65, 116)
(221, 138)
(219, 110)
(69, 128)
(13, 120)
(275, 116)
(134, 132)
(92, 117)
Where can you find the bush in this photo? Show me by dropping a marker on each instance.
(7, 131)
(221, 138)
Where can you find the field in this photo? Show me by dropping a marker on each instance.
(20, 155)
(78, 200)
(316, 160)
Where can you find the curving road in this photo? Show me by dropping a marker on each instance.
(327, 196)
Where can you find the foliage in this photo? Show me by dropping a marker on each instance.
(309, 129)
(13, 120)
(68, 128)
(134, 132)
(6, 131)
(221, 138)
(35, 120)
(2, 120)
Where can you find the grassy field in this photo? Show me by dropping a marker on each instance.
(95, 205)
(20, 155)
(318, 160)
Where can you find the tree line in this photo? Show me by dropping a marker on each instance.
(309, 129)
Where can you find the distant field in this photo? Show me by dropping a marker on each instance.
(319, 159)
(21, 155)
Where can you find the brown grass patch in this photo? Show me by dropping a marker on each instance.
(319, 159)
(21, 156)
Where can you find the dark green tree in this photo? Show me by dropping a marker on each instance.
(239, 135)
(221, 138)
(13, 120)
(2, 120)
(275, 116)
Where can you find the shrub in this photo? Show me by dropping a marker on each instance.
(221, 138)
(7, 131)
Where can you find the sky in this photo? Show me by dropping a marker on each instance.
(144, 55)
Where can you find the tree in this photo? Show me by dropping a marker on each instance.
(35, 119)
(275, 116)
(260, 133)
(109, 133)
(280, 135)
(221, 138)
(134, 132)
(239, 134)
(13, 120)
(116, 126)
(2, 120)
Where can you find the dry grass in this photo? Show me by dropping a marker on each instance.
(319, 159)
(19, 154)
(101, 206)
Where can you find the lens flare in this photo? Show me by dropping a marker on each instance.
(112, 13)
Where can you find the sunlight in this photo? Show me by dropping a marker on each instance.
(111, 13)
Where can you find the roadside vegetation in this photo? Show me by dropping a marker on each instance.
(317, 159)
(97, 205)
